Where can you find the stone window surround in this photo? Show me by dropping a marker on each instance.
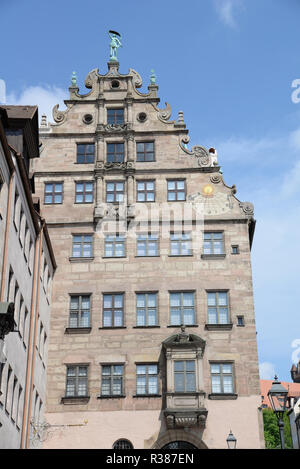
(147, 394)
(76, 399)
(52, 193)
(147, 240)
(213, 255)
(216, 326)
(114, 241)
(114, 111)
(113, 396)
(92, 246)
(84, 192)
(184, 354)
(144, 292)
(176, 190)
(84, 143)
(79, 296)
(154, 151)
(180, 241)
(117, 156)
(115, 192)
(182, 307)
(145, 191)
(223, 395)
(112, 309)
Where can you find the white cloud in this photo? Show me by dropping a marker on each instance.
(45, 97)
(291, 181)
(226, 10)
(266, 370)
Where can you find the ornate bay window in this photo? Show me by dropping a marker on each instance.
(184, 380)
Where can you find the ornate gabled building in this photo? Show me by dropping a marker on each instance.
(153, 337)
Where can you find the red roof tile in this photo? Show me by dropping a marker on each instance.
(266, 384)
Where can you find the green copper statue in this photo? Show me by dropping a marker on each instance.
(114, 44)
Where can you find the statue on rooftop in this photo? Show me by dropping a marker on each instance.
(115, 43)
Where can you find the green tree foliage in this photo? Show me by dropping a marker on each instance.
(271, 430)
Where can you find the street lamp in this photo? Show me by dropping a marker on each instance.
(231, 441)
(278, 398)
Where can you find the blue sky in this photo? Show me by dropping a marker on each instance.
(229, 66)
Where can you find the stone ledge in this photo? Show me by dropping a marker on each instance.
(81, 259)
(113, 327)
(213, 256)
(78, 330)
(218, 327)
(146, 395)
(186, 325)
(77, 400)
(119, 396)
(222, 396)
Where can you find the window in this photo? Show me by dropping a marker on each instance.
(145, 151)
(85, 153)
(115, 116)
(115, 246)
(235, 249)
(115, 192)
(17, 206)
(240, 321)
(184, 376)
(53, 193)
(113, 309)
(176, 190)
(122, 444)
(115, 152)
(80, 311)
(77, 381)
(145, 191)
(180, 244)
(213, 243)
(84, 192)
(146, 379)
(8, 390)
(146, 309)
(182, 309)
(147, 245)
(112, 380)
(217, 307)
(221, 378)
(82, 246)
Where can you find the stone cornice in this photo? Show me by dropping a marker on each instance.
(136, 170)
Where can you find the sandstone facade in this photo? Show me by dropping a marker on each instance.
(218, 389)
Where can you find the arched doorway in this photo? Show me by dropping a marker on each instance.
(179, 439)
(179, 445)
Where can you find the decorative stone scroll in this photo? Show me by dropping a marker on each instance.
(200, 152)
(60, 116)
(164, 114)
(126, 166)
(247, 207)
(91, 78)
(216, 178)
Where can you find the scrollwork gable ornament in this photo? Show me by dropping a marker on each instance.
(248, 208)
(164, 114)
(198, 151)
(60, 116)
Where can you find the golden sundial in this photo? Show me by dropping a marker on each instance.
(211, 202)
